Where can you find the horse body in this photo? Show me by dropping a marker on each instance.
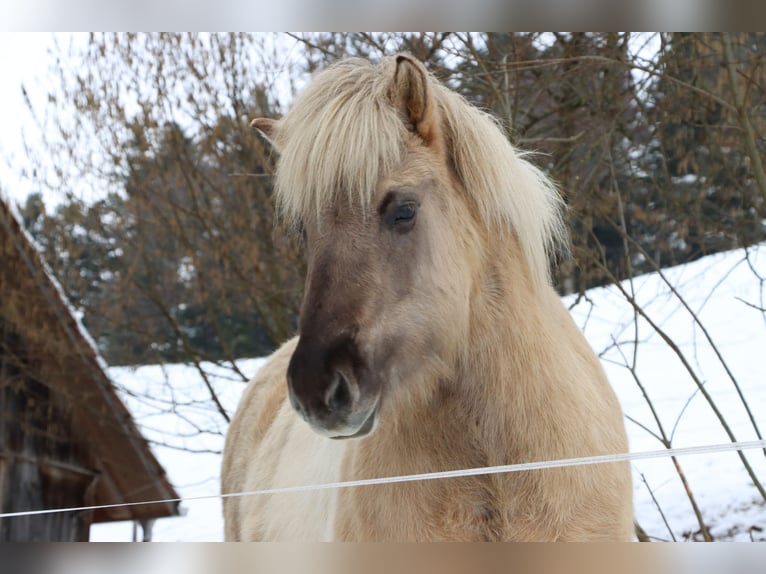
(430, 337)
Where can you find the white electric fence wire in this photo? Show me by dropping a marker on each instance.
(599, 459)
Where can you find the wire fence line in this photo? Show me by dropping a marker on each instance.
(501, 469)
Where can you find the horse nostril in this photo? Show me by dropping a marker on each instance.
(338, 395)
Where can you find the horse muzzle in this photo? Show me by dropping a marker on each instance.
(325, 391)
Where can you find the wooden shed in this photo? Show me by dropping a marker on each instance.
(66, 439)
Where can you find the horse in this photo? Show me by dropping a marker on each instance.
(430, 337)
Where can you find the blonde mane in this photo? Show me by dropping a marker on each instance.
(343, 133)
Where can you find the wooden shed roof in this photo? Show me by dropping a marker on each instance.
(60, 354)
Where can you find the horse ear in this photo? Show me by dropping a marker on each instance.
(411, 94)
(268, 128)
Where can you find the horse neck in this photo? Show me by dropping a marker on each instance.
(509, 360)
(480, 402)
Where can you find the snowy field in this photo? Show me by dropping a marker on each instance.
(724, 291)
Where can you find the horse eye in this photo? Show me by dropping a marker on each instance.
(404, 212)
(401, 217)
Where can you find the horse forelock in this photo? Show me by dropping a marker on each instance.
(340, 136)
(343, 134)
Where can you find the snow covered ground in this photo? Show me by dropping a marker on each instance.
(724, 291)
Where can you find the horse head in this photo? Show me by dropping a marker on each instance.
(398, 186)
(385, 296)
